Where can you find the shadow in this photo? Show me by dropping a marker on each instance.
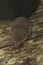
(27, 61)
(11, 9)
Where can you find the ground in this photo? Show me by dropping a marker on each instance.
(31, 51)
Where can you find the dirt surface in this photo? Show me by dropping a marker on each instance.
(31, 51)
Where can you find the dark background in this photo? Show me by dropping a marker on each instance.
(16, 8)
